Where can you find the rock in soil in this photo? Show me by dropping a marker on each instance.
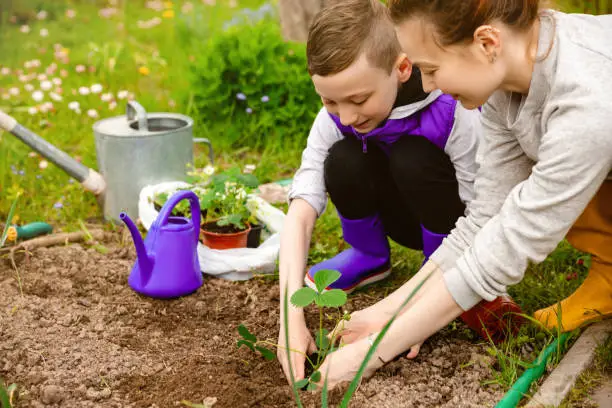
(78, 336)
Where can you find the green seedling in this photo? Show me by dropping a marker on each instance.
(323, 298)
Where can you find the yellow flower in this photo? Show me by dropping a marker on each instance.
(168, 14)
(144, 71)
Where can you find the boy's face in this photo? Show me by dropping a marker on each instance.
(362, 95)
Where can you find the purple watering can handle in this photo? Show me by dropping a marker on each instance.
(174, 200)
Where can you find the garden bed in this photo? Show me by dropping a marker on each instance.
(78, 336)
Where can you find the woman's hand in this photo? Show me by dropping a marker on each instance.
(342, 365)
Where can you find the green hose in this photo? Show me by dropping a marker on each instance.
(521, 386)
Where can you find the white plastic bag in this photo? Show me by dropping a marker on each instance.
(232, 264)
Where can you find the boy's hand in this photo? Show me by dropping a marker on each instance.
(301, 341)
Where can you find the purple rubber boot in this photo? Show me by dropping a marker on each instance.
(431, 242)
(368, 260)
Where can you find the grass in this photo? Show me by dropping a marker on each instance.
(152, 65)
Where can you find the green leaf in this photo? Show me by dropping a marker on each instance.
(303, 297)
(311, 387)
(9, 218)
(322, 341)
(315, 377)
(245, 343)
(332, 298)
(301, 384)
(324, 278)
(246, 334)
(4, 398)
(266, 353)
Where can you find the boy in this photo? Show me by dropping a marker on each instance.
(397, 162)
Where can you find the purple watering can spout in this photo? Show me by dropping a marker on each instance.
(144, 260)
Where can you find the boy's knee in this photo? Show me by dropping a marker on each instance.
(411, 157)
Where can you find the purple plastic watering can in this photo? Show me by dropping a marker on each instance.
(167, 264)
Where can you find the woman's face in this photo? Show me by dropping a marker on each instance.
(465, 71)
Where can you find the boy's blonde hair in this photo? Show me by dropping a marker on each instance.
(344, 29)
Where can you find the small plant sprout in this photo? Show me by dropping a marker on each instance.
(249, 340)
(8, 394)
(323, 298)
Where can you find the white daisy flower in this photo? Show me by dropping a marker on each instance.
(38, 96)
(84, 90)
(46, 85)
(55, 97)
(74, 105)
(32, 110)
(96, 88)
(92, 113)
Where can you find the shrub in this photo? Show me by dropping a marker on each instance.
(252, 88)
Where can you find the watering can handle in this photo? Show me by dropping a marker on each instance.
(174, 200)
(211, 153)
(134, 110)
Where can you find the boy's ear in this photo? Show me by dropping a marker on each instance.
(404, 68)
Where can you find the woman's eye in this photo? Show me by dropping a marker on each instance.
(360, 102)
(429, 72)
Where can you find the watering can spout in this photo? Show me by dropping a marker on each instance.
(144, 261)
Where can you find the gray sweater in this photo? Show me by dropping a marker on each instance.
(542, 159)
(308, 183)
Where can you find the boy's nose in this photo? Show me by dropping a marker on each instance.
(348, 117)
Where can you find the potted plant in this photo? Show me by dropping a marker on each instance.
(225, 218)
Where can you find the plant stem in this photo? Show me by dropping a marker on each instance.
(320, 334)
(269, 343)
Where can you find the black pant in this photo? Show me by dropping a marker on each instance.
(414, 184)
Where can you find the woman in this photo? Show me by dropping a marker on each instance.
(545, 80)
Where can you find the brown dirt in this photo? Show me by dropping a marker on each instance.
(78, 336)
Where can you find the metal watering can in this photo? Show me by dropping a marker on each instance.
(167, 264)
(133, 151)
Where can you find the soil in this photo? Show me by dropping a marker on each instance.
(218, 229)
(76, 335)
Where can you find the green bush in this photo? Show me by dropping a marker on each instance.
(251, 88)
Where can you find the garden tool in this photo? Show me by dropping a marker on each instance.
(133, 151)
(167, 264)
(28, 231)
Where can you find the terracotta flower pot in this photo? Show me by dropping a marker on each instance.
(215, 237)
